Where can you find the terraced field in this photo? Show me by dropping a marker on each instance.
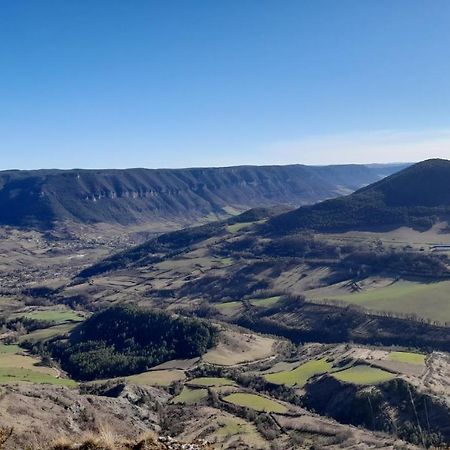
(362, 374)
(157, 377)
(228, 305)
(300, 375)
(256, 402)
(190, 396)
(407, 357)
(265, 302)
(212, 381)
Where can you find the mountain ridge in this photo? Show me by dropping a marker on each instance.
(44, 197)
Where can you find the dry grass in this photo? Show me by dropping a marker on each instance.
(107, 436)
(238, 347)
(157, 377)
(106, 439)
(5, 434)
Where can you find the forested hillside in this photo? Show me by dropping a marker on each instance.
(126, 339)
(416, 197)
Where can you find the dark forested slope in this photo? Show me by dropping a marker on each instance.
(416, 196)
(123, 340)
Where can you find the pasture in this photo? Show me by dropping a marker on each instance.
(236, 347)
(47, 333)
(12, 375)
(363, 374)
(256, 402)
(18, 367)
(407, 357)
(233, 430)
(9, 349)
(238, 227)
(54, 316)
(190, 396)
(265, 302)
(426, 300)
(300, 375)
(181, 364)
(157, 377)
(211, 382)
(228, 305)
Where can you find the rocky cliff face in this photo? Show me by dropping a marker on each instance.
(41, 198)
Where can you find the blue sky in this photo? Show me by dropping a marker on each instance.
(144, 83)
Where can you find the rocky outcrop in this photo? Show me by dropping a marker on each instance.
(395, 407)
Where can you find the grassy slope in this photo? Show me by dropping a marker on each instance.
(407, 357)
(18, 375)
(363, 374)
(190, 396)
(157, 377)
(430, 301)
(300, 375)
(46, 333)
(236, 348)
(255, 402)
(8, 349)
(264, 302)
(232, 429)
(54, 316)
(212, 381)
(18, 368)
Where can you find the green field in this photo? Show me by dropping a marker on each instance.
(190, 396)
(362, 374)
(427, 300)
(407, 357)
(264, 302)
(55, 316)
(226, 261)
(232, 429)
(47, 333)
(157, 377)
(9, 349)
(238, 227)
(212, 381)
(256, 402)
(10, 375)
(300, 375)
(228, 305)
(232, 426)
(18, 367)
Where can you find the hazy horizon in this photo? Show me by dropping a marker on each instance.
(393, 163)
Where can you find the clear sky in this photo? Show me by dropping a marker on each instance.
(146, 83)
